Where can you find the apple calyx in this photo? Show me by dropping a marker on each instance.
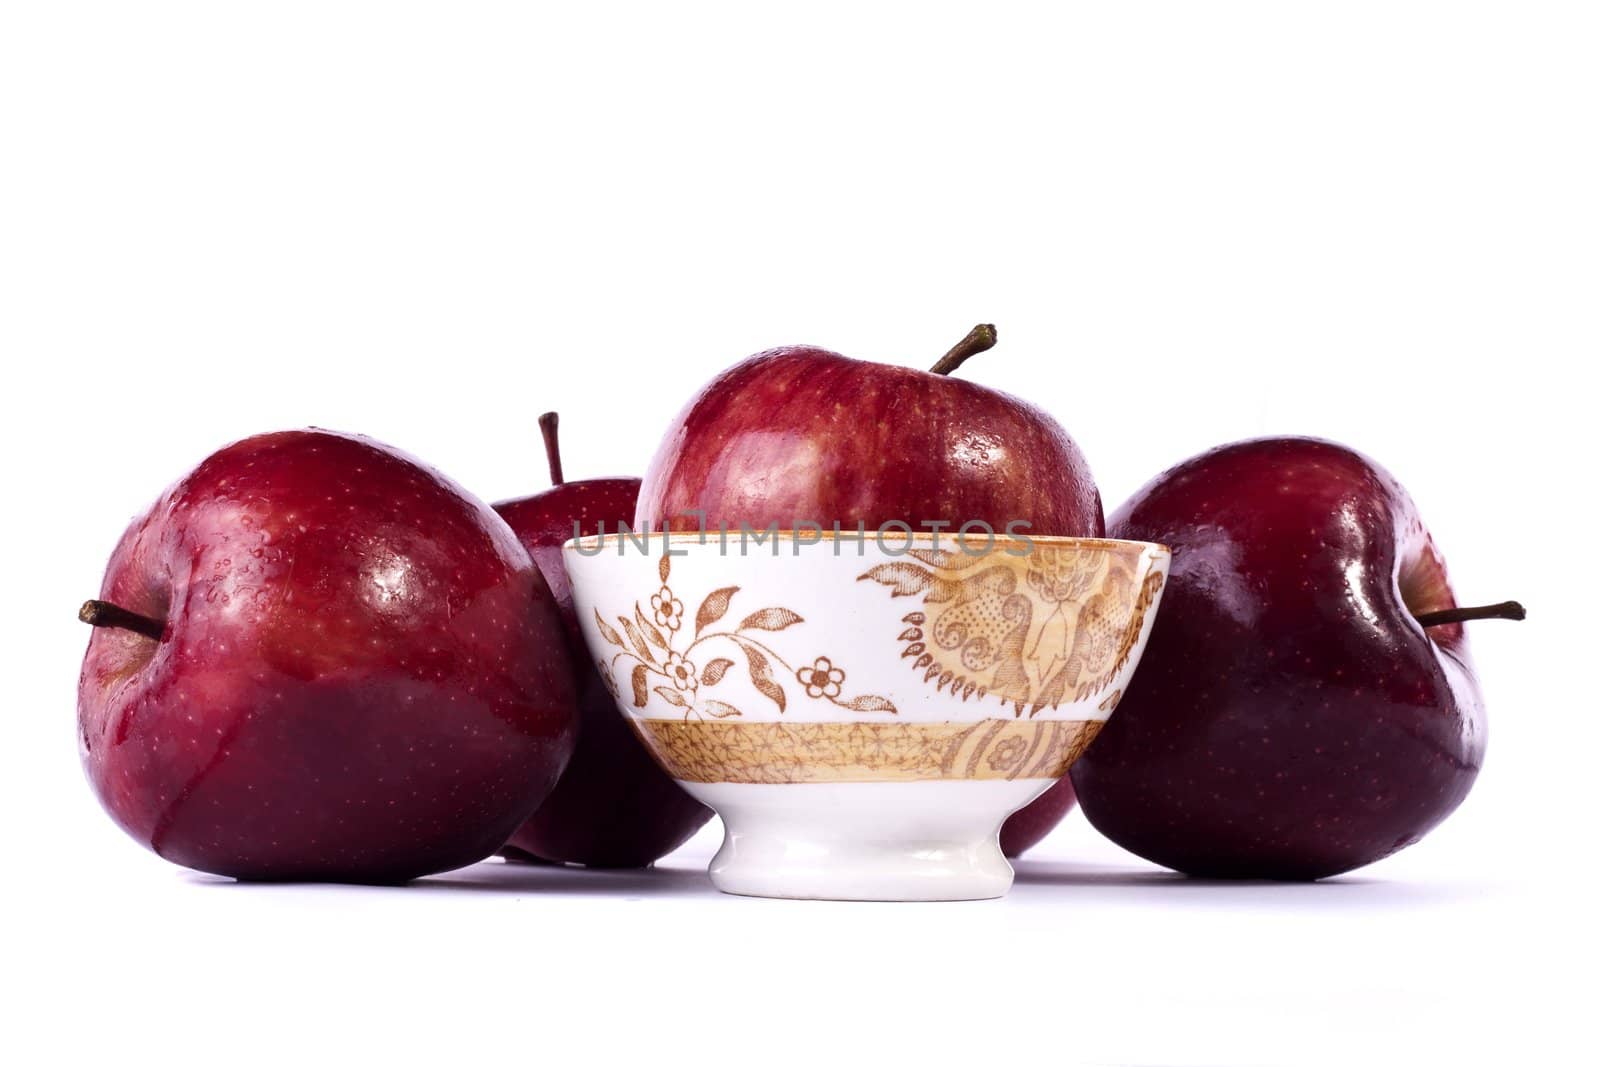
(106, 614)
(549, 422)
(1507, 609)
(980, 338)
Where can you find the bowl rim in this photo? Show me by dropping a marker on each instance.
(917, 537)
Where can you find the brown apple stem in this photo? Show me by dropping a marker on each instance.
(105, 613)
(548, 422)
(980, 339)
(1509, 609)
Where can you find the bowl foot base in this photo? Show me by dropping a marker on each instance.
(865, 841)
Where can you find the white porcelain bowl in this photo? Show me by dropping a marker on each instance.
(864, 714)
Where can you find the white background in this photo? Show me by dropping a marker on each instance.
(1192, 223)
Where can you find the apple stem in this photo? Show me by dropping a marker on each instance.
(105, 613)
(1509, 609)
(980, 339)
(548, 422)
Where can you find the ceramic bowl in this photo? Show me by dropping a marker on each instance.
(864, 713)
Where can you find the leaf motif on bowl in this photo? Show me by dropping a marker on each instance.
(660, 669)
(1035, 630)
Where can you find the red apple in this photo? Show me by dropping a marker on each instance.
(803, 435)
(614, 806)
(1029, 825)
(797, 435)
(318, 659)
(1306, 704)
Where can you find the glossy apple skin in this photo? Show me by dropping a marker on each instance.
(363, 676)
(1030, 824)
(614, 806)
(1290, 718)
(803, 434)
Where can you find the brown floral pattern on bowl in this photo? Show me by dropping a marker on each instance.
(788, 752)
(648, 650)
(1055, 625)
